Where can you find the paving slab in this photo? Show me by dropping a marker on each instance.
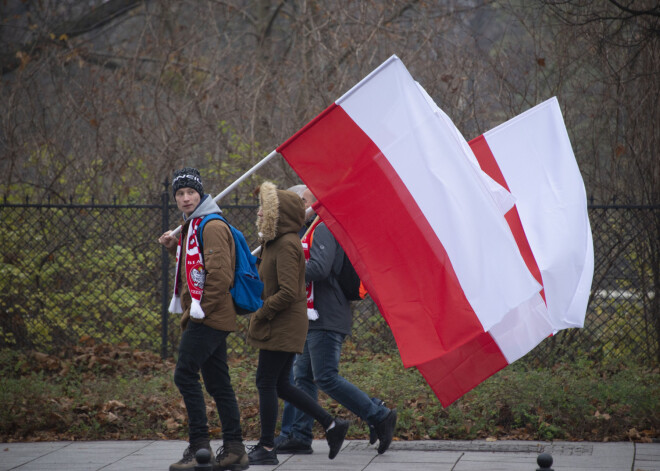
(356, 455)
(647, 457)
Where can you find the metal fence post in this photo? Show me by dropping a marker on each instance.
(165, 262)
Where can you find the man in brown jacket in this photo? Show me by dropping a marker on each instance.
(202, 283)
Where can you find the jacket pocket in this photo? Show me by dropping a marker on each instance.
(259, 329)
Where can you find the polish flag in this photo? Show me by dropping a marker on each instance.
(425, 228)
(531, 156)
(424, 231)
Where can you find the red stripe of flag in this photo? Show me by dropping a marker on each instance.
(452, 375)
(488, 164)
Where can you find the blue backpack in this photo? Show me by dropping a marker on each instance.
(247, 288)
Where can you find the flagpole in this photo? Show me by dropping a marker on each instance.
(231, 187)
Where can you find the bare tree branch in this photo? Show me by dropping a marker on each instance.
(95, 18)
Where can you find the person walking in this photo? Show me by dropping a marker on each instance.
(279, 328)
(288, 411)
(201, 294)
(330, 322)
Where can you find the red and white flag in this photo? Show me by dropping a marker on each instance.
(400, 190)
(531, 156)
(425, 234)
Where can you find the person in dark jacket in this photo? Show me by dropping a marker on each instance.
(202, 295)
(330, 321)
(279, 328)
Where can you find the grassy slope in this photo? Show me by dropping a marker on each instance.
(109, 392)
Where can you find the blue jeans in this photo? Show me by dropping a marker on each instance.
(204, 348)
(318, 367)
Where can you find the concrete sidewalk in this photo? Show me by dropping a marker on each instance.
(355, 455)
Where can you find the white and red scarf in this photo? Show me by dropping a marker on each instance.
(312, 314)
(195, 273)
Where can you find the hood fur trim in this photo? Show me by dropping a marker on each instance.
(270, 207)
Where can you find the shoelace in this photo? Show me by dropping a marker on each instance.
(188, 455)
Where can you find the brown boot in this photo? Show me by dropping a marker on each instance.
(188, 462)
(231, 457)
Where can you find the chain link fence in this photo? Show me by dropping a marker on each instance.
(623, 315)
(77, 274)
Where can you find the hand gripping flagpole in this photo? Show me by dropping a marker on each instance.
(231, 187)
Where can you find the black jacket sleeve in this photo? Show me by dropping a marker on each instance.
(321, 254)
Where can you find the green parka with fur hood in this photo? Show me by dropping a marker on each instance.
(281, 324)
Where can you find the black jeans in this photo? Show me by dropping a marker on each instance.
(204, 348)
(273, 382)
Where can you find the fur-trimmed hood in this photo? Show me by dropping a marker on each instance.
(283, 212)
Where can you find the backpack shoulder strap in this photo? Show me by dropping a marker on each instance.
(200, 228)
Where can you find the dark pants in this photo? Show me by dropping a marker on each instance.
(204, 348)
(272, 382)
(289, 412)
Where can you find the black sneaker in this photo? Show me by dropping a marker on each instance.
(294, 446)
(385, 431)
(188, 462)
(259, 455)
(373, 436)
(281, 438)
(335, 436)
